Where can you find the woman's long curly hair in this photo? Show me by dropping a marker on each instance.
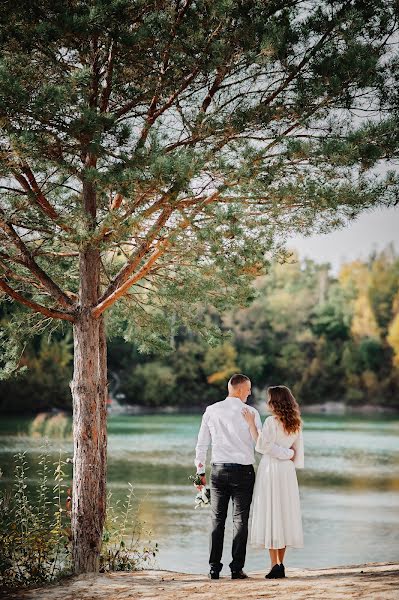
(284, 406)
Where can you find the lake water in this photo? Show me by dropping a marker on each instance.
(349, 487)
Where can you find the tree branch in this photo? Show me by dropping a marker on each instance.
(112, 298)
(105, 94)
(10, 274)
(54, 314)
(109, 298)
(140, 253)
(220, 75)
(153, 112)
(31, 186)
(14, 259)
(307, 56)
(30, 263)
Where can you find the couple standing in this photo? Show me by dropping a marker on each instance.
(234, 429)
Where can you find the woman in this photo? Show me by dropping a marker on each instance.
(276, 518)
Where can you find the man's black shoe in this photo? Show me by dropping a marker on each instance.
(239, 575)
(213, 575)
(275, 573)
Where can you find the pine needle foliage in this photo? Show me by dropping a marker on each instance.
(209, 131)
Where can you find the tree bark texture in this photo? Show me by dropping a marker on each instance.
(89, 392)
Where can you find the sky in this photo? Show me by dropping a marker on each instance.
(370, 231)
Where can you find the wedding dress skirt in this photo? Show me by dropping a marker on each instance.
(276, 511)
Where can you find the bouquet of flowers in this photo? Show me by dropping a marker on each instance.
(203, 497)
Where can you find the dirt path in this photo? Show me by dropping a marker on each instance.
(375, 581)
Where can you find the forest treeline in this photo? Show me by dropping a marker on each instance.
(329, 337)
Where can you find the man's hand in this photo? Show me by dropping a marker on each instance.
(202, 484)
(293, 456)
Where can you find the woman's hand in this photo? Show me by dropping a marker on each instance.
(248, 415)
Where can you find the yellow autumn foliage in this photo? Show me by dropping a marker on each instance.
(356, 274)
(220, 362)
(363, 321)
(393, 339)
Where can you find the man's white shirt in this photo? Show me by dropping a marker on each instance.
(224, 426)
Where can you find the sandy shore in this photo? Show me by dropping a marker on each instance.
(377, 581)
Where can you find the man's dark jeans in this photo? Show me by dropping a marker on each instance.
(235, 482)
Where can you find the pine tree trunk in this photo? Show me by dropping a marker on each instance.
(89, 392)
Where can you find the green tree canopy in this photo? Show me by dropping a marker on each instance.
(209, 131)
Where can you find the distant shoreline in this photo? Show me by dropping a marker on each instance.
(326, 408)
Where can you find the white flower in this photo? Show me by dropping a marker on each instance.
(202, 498)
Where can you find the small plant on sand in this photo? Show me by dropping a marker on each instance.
(122, 544)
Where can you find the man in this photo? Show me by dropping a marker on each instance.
(233, 474)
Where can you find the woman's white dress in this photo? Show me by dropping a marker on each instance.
(276, 510)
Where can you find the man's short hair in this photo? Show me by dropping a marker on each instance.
(237, 379)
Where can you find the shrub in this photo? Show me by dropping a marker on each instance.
(34, 530)
(122, 548)
(35, 533)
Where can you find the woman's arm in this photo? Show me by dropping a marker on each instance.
(249, 416)
(266, 443)
(299, 458)
(265, 439)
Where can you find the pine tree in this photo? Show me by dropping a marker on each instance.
(154, 153)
